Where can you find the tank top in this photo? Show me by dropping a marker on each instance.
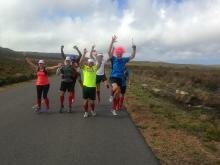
(42, 78)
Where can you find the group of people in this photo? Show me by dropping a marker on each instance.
(90, 72)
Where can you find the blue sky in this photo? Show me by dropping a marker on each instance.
(179, 31)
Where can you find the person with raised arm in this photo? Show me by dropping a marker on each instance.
(75, 64)
(42, 82)
(100, 74)
(89, 69)
(118, 64)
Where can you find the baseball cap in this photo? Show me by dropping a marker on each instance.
(41, 62)
(68, 58)
(90, 60)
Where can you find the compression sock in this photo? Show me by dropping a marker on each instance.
(47, 102)
(62, 100)
(70, 99)
(85, 106)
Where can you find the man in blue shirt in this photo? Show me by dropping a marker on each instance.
(117, 73)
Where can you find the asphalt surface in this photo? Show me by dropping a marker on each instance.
(27, 138)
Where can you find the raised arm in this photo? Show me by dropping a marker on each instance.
(133, 52)
(31, 64)
(110, 53)
(62, 53)
(92, 49)
(53, 67)
(79, 52)
(99, 59)
(83, 57)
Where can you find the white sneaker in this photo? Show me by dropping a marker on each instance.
(93, 113)
(110, 99)
(86, 114)
(114, 113)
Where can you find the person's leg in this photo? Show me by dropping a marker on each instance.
(39, 94)
(121, 100)
(116, 90)
(85, 102)
(45, 93)
(70, 100)
(86, 107)
(92, 100)
(106, 83)
(98, 91)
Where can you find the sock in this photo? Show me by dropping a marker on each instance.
(46, 100)
(85, 107)
(117, 103)
(62, 100)
(70, 100)
(121, 100)
(93, 106)
(73, 96)
(114, 104)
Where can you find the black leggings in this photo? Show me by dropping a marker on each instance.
(42, 89)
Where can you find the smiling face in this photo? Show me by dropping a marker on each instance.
(41, 65)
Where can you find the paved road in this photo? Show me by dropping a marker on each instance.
(27, 138)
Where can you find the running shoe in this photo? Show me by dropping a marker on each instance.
(93, 113)
(110, 99)
(114, 113)
(86, 114)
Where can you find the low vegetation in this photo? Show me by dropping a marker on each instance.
(176, 109)
(13, 67)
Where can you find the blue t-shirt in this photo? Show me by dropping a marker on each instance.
(118, 66)
(125, 77)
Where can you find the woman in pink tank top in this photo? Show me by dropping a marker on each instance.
(42, 82)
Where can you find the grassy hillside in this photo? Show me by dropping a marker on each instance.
(13, 67)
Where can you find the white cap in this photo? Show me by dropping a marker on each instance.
(90, 60)
(68, 58)
(41, 62)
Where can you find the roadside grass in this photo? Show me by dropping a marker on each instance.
(177, 135)
(14, 70)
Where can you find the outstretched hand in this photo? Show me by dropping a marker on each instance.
(85, 51)
(114, 38)
(134, 47)
(75, 47)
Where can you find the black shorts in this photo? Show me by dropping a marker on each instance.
(116, 80)
(100, 78)
(89, 93)
(123, 89)
(67, 86)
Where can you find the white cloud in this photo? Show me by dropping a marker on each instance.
(177, 32)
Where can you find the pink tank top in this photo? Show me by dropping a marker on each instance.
(42, 78)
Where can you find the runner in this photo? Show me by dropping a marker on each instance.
(100, 74)
(42, 83)
(68, 80)
(118, 65)
(75, 61)
(125, 81)
(89, 83)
